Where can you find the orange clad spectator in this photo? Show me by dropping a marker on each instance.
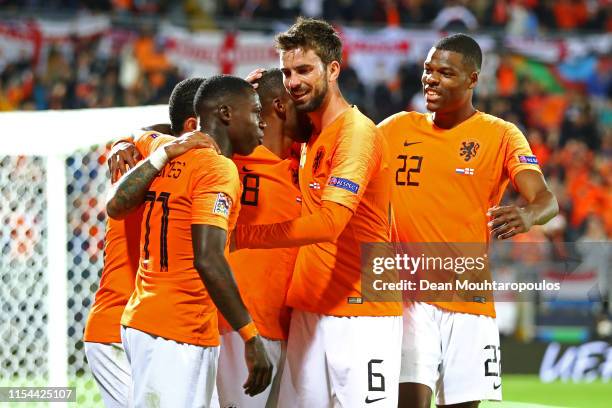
(570, 14)
(122, 5)
(150, 57)
(538, 146)
(506, 78)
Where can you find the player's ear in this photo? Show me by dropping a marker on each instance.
(473, 80)
(279, 107)
(333, 71)
(225, 113)
(190, 124)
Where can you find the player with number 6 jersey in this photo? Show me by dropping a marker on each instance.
(345, 202)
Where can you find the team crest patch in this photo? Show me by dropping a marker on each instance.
(468, 149)
(343, 183)
(318, 160)
(528, 159)
(223, 205)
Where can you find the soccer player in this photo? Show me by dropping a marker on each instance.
(170, 328)
(342, 350)
(451, 168)
(270, 194)
(102, 337)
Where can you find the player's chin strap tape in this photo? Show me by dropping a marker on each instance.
(248, 331)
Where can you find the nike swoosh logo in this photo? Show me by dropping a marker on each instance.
(246, 170)
(369, 401)
(406, 144)
(496, 386)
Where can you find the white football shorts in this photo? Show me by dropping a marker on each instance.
(341, 361)
(168, 374)
(457, 355)
(233, 373)
(111, 370)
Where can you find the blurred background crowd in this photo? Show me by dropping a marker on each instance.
(563, 108)
(524, 16)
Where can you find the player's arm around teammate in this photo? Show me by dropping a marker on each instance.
(129, 192)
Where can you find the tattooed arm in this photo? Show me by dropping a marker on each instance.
(129, 192)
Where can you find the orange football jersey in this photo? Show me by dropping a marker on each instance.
(445, 180)
(263, 275)
(170, 299)
(121, 253)
(343, 164)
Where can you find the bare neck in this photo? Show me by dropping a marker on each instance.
(333, 106)
(219, 135)
(448, 120)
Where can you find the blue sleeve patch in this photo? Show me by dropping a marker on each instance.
(528, 159)
(153, 135)
(343, 183)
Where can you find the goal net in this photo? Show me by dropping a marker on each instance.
(53, 179)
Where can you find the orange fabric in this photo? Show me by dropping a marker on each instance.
(589, 198)
(570, 14)
(170, 300)
(323, 225)
(542, 152)
(441, 204)
(248, 331)
(121, 253)
(343, 164)
(150, 59)
(506, 80)
(545, 110)
(263, 275)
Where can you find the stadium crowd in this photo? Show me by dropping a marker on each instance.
(518, 16)
(568, 124)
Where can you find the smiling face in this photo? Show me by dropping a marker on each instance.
(305, 77)
(447, 80)
(246, 126)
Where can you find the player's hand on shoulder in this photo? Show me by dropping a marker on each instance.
(123, 156)
(259, 366)
(254, 76)
(189, 141)
(508, 221)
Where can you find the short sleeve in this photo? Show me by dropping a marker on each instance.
(518, 153)
(358, 154)
(215, 194)
(148, 142)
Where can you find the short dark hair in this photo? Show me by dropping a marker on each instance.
(464, 45)
(219, 87)
(181, 103)
(311, 34)
(270, 86)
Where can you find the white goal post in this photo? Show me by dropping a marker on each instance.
(53, 179)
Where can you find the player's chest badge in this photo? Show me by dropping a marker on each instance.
(469, 149)
(318, 160)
